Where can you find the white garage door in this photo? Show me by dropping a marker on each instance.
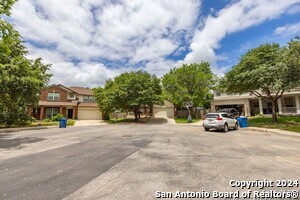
(89, 113)
(163, 112)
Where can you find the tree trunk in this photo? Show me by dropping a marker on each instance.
(274, 117)
(135, 114)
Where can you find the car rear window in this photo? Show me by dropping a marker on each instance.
(211, 116)
(225, 115)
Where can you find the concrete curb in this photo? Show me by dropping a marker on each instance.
(276, 131)
(10, 130)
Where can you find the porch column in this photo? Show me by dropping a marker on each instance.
(297, 104)
(74, 112)
(260, 106)
(213, 108)
(279, 106)
(61, 110)
(41, 112)
(247, 110)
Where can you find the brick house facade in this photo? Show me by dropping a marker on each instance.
(71, 102)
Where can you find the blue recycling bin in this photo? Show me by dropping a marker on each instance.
(63, 123)
(243, 121)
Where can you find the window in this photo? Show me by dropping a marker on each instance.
(289, 102)
(211, 116)
(53, 96)
(72, 95)
(51, 112)
(225, 115)
(88, 99)
(255, 104)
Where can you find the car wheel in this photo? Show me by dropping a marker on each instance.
(206, 129)
(236, 127)
(225, 128)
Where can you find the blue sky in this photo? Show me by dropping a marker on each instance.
(89, 41)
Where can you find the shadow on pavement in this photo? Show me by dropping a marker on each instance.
(157, 121)
(6, 143)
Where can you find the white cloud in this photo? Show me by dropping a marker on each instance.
(83, 38)
(294, 9)
(235, 17)
(83, 73)
(289, 30)
(112, 31)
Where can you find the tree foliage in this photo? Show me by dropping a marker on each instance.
(189, 83)
(130, 90)
(266, 71)
(5, 6)
(21, 79)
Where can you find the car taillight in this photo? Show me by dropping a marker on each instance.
(219, 118)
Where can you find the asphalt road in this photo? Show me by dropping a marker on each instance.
(135, 161)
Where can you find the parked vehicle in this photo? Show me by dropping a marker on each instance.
(220, 121)
(232, 111)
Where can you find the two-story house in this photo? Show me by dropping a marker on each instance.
(71, 102)
(249, 104)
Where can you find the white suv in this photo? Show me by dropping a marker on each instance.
(220, 121)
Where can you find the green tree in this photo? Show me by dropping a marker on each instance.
(189, 83)
(21, 79)
(5, 6)
(266, 71)
(130, 90)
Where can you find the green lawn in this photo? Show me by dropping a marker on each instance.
(184, 120)
(122, 120)
(284, 123)
(70, 122)
(42, 123)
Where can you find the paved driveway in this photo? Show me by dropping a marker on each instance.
(135, 161)
(89, 122)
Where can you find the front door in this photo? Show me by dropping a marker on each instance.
(70, 113)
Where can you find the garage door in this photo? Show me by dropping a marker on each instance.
(89, 113)
(163, 112)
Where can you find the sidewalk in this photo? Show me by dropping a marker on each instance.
(90, 122)
(277, 131)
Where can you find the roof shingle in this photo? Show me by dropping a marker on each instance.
(82, 90)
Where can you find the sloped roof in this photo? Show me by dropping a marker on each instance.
(81, 90)
(64, 88)
(48, 103)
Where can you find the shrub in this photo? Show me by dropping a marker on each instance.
(70, 122)
(105, 116)
(47, 120)
(17, 117)
(259, 115)
(57, 117)
(33, 119)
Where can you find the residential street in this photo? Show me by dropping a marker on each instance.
(134, 161)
